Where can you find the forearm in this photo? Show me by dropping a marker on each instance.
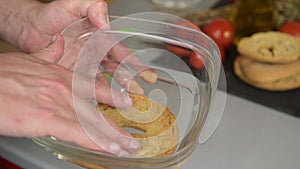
(13, 16)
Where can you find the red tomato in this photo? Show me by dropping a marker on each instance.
(178, 50)
(195, 61)
(222, 51)
(292, 28)
(181, 52)
(220, 30)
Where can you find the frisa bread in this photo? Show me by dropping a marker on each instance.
(268, 76)
(157, 123)
(270, 47)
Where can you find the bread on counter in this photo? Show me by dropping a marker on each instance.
(269, 61)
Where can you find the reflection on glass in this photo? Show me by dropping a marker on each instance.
(176, 4)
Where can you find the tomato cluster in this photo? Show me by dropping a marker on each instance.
(220, 30)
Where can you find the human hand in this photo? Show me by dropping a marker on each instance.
(36, 100)
(57, 15)
(94, 53)
(32, 23)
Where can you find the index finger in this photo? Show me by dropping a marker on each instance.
(122, 54)
(102, 130)
(97, 13)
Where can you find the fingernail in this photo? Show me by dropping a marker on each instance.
(135, 88)
(148, 75)
(103, 20)
(107, 19)
(127, 100)
(123, 153)
(114, 147)
(53, 38)
(134, 144)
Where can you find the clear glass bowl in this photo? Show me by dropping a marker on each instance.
(146, 35)
(176, 4)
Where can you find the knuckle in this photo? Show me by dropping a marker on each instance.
(55, 85)
(104, 3)
(100, 2)
(58, 84)
(59, 68)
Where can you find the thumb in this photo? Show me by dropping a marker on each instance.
(54, 51)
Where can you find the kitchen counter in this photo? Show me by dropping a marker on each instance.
(249, 136)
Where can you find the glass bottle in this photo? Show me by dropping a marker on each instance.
(252, 16)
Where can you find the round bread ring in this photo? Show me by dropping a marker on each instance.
(159, 137)
(272, 83)
(270, 47)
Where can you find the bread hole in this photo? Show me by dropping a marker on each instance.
(266, 51)
(271, 50)
(133, 130)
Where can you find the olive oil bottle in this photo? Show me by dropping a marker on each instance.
(252, 16)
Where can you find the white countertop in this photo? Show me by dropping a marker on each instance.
(249, 136)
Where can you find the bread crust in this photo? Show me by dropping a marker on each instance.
(270, 47)
(272, 77)
(156, 121)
